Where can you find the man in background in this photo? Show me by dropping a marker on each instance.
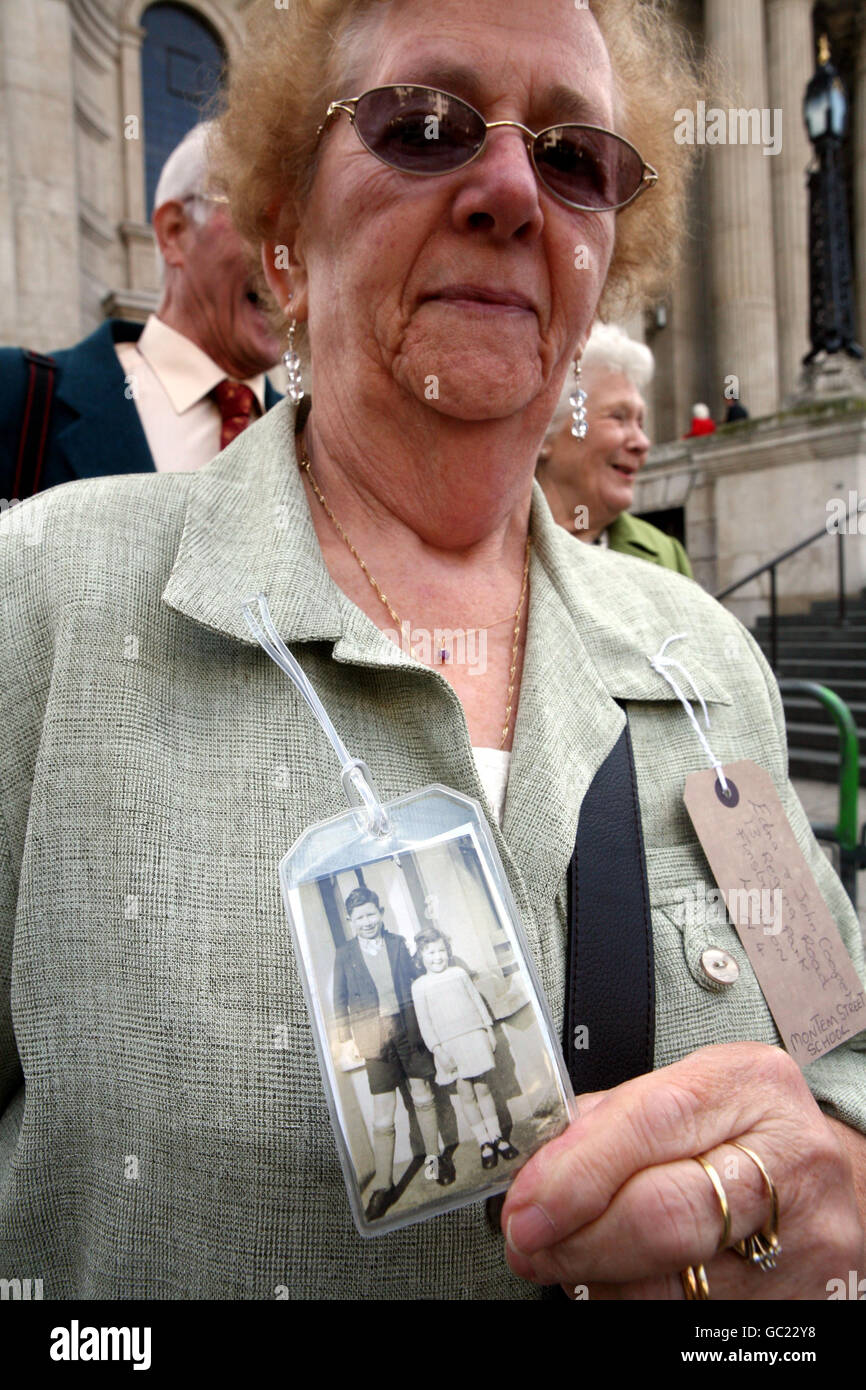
(164, 397)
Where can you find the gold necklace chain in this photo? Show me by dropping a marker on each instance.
(515, 616)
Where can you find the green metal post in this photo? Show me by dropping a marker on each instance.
(844, 833)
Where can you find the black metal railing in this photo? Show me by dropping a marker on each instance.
(772, 565)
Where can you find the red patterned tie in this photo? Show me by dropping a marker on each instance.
(235, 403)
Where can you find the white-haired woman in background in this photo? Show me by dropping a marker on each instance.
(589, 482)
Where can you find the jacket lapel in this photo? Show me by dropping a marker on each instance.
(625, 537)
(364, 987)
(107, 436)
(248, 530)
(567, 723)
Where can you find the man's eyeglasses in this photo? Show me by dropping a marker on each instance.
(422, 130)
(205, 198)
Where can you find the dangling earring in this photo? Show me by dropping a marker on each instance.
(577, 401)
(292, 363)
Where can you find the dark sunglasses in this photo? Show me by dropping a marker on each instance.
(422, 130)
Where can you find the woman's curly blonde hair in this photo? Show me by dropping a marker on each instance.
(299, 58)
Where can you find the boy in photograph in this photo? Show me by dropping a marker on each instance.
(373, 1008)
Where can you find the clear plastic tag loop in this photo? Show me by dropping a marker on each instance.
(361, 790)
(357, 781)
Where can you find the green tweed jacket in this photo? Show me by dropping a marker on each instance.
(158, 1138)
(633, 536)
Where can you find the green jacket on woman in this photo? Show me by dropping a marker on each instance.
(632, 536)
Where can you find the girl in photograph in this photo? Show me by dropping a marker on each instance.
(457, 1028)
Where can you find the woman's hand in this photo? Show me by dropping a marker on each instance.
(617, 1203)
(350, 1057)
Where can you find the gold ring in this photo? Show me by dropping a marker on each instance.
(763, 1248)
(695, 1283)
(723, 1201)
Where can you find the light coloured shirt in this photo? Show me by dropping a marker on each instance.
(170, 380)
(370, 948)
(493, 767)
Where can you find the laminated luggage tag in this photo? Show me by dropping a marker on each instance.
(437, 1053)
(793, 944)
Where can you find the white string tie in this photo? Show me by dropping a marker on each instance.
(663, 665)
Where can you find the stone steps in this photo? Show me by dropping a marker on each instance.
(814, 646)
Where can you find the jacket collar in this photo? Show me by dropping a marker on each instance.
(623, 610)
(625, 532)
(106, 435)
(248, 530)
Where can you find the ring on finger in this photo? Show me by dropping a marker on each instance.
(762, 1248)
(695, 1283)
(723, 1201)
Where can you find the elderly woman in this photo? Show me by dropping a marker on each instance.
(589, 481)
(165, 1133)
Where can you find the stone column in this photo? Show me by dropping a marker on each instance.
(132, 116)
(692, 348)
(858, 135)
(680, 342)
(741, 225)
(39, 263)
(791, 63)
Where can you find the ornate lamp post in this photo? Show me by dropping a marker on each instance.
(831, 311)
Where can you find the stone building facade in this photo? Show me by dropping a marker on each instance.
(75, 244)
(737, 324)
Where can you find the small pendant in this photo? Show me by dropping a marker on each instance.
(444, 655)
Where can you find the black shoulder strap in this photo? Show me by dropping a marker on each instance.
(609, 1029)
(34, 424)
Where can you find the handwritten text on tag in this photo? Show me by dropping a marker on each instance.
(792, 942)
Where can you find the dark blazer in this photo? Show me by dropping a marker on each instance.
(356, 1001)
(94, 431)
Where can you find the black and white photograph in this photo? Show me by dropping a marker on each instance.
(431, 1033)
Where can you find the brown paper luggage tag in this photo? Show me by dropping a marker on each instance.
(793, 944)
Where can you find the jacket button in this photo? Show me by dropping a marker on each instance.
(719, 966)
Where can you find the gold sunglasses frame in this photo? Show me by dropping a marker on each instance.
(348, 105)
